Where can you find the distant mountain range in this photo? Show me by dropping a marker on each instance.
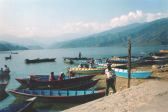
(141, 34)
(6, 46)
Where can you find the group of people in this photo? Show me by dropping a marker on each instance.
(60, 77)
(5, 69)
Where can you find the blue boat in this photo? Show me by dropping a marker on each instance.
(61, 96)
(134, 74)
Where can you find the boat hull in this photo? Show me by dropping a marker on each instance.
(73, 83)
(77, 58)
(21, 107)
(27, 61)
(60, 99)
(72, 86)
(136, 74)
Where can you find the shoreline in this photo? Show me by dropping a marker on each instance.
(143, 86)
(148, 96)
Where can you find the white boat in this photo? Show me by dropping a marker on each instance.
(88, 70)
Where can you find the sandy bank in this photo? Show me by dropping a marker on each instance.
(151, 96)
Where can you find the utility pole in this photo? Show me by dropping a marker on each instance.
(129, 62)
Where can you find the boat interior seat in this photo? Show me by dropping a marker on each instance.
(120, 70)
(116, 69)
(125, 71)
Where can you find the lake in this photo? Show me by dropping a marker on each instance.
(20, 69)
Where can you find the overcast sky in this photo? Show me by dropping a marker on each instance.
(66, 19)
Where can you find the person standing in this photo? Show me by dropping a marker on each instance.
(6, 69)
(80, 55)
(110, 79)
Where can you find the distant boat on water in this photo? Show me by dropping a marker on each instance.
(38, 60)
(77, 58)
(68, 61)
(14, 53)
(8, 57)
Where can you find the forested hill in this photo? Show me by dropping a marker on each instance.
(6, 46)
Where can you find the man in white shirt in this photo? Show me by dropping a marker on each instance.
(110, 79)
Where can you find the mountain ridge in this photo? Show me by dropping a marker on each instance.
(6, 46)
(141, 34)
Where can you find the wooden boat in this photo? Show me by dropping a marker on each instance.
(64, 96)
(88, 70)
(8, 58)
(151, 60)
(40, 80)
(68, 61)
(64, 84)
(123, 59)
(134, 74)
(160, 57)
(83, 62)
(40, 60)
(163, 51)
(112, 65)
(77, 77)
(77, 58)
(14, 52)
(46, 77)
(20, 107)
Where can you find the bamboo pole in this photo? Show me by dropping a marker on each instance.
(129, 62)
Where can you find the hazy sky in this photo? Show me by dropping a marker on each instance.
(66, 19)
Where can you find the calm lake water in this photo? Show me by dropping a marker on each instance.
(20, 69)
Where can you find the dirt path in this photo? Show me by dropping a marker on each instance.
(150, 96)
